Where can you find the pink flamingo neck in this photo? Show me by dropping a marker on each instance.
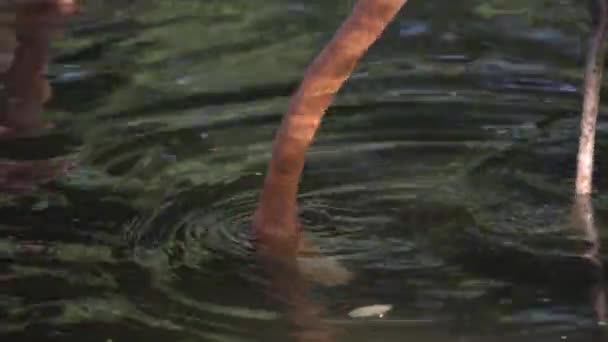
(276, 215)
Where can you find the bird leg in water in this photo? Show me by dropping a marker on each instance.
(275, 221)
(25, 46)
(583, 208)
(591, 99)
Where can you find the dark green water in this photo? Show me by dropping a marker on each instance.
(441, 177)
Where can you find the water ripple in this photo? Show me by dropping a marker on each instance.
(440, 178)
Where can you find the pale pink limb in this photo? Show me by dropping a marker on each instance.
(27, 88)
(275, 220)
(583, 207)
(591, 99)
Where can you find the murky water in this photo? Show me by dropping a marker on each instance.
(441, 177)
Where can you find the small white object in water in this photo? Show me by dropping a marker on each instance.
(372, 310)
(325, 270)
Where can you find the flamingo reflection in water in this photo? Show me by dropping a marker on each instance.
(275, 221)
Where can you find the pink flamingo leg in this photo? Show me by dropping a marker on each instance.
(591, 93)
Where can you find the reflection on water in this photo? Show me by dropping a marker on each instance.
(135, 136)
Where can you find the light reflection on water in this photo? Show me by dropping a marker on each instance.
(441, 178)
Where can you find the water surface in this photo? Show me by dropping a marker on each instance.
(441, 177)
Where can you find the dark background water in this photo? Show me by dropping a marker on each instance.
(441, 177)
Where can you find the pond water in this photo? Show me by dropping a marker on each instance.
(441, 177)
